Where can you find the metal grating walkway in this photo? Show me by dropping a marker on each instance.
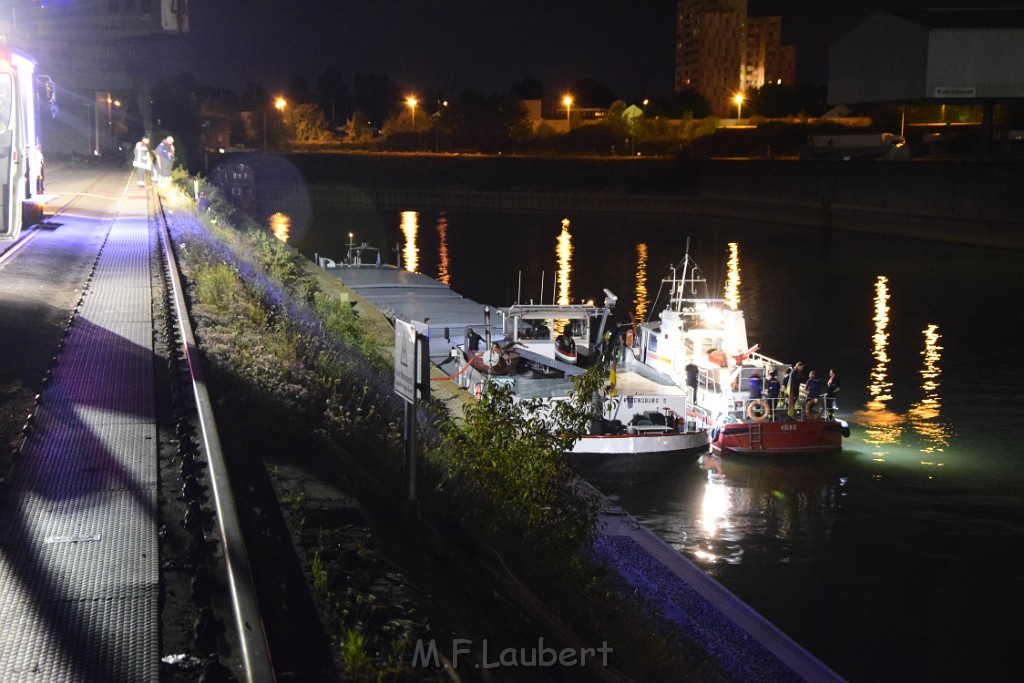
(79, 565)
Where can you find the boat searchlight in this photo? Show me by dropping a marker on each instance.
(609, 298)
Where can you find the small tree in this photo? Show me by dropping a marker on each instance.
(307, 124)
(507, 473)
(358, 128)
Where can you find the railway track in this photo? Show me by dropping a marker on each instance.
(208, 548)
(236, 595)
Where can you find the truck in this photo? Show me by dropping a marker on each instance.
(849, 146)
(22, 95)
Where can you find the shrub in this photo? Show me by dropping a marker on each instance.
(217, 285)
(508, 475)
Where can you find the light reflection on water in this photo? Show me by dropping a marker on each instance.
(729, 512)
(732, 280)
(443, 275)
(640, 302)
(563, 252)
(922, 425)
(410, 252)
(926, 414)
(280, 225)
(563, 284)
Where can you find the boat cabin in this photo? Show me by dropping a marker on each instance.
(536, 327)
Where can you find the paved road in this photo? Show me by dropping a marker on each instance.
(41, 284)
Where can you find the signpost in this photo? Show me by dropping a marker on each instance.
(412, 381)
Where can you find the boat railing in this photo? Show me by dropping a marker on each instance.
(766, 409)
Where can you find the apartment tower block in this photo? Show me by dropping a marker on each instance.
(720, 51)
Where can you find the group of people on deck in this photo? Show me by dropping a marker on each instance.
(788, 388)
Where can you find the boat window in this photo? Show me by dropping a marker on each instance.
(538, 329)
(6, 101)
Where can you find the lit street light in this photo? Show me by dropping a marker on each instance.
(279, 103)
(412, 105)
(567, 101)
(738, 99)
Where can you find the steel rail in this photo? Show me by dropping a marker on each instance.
(248, 620)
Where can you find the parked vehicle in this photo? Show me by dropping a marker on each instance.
(846, 147)
(22, 94)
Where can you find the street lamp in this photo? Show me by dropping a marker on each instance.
(279, 103)
(567, 101)
(437, 125)
(412, 105)
(738, 99)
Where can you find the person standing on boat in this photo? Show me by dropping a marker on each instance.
(773, 389)
(472, 339)
(756, 386)
(813, 385)
(795, 379)
(692, 372)
(831, 389)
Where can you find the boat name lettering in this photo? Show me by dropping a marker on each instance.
(787, 427)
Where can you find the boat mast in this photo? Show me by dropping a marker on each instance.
(677, 293)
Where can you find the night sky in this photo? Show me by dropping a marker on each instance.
(454, 45)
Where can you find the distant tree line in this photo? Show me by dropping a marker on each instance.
(374, 113)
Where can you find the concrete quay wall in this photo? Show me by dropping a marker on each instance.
(972, 203)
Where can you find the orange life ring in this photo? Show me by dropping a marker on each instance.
(758, 410)
(718, 358)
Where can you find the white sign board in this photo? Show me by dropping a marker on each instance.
(960, 91)
(409, 364)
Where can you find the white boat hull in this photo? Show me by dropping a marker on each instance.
(636, 458)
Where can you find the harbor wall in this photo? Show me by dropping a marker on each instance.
(973, 203)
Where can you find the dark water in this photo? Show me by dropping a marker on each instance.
(899, 559)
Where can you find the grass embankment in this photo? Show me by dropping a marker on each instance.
(497, 549)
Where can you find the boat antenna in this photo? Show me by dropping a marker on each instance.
(519, 287)
(487, 326)
(541, 299)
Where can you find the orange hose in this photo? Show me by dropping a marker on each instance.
(462, 370)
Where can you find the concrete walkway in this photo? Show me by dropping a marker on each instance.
(79, 563)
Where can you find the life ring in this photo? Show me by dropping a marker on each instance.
(758, 410)
(813, 408)
(719, 358)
